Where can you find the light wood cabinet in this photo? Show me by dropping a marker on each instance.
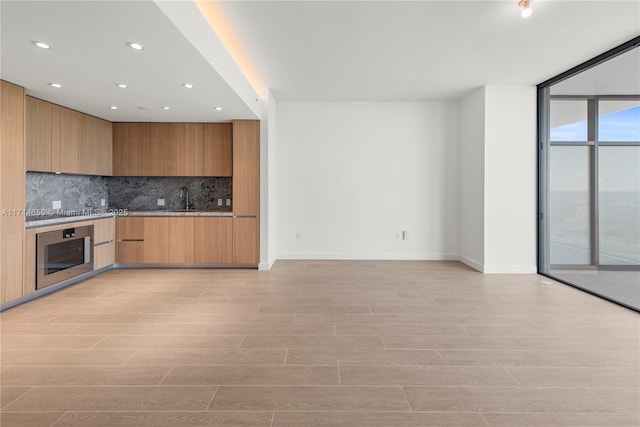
(38, 135)
(12, 194)
(156, 240)
(104, 246)
(65, 140)
(189, 157)
(95, 146)
(246, 242)
(62, 140)
(246, 191)
(130, 240)
(130, 140)
(217, 149)
(181, 240)
(213, 240)
(172, 149)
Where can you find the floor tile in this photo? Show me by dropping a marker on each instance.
(116, 398)
(539, 358)
(376, 419)
(503, 399)
(270, 329)
(253, 375)
(163, 341)
(309, 398)
(562, 420)
(425, 375)
(83, 375)
(49, 341)
(304, 341)
(165, 419)
(207, 356)
(138, 329)
(9, 394)
(349, 356)
(29, 419)
(64, 357)
(388, 329)
(575, 377)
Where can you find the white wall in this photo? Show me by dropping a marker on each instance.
(472, 131)
(350, 175)
(510, 179)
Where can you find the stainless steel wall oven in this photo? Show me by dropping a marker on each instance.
(63, 254)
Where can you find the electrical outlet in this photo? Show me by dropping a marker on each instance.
(57, 204)
(103, 202)
(405, 235)
(219, 202)
(298, 236)
(160, 202)
(228, 202)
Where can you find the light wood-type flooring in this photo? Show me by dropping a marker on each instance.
(320, 343)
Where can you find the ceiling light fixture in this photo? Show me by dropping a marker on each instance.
(166, 108)
(526, 8)
(135, 46)
(187, 85)
(56, 85)
(218, 108)
(113, 107)
(122, 85)
(41, 45)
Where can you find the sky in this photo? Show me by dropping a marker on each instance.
(621, 125)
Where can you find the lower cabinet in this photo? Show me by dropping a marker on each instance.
(175, 240)
(130, 240)
(213, 240)
(246, 243)
(104, 246)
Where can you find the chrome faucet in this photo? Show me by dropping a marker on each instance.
(185, 191)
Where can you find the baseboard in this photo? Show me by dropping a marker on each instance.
(471, 263)
(266, 266)
(510, 269)
(368, 256)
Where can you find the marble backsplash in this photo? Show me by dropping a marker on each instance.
(142, 193)
(75, 192)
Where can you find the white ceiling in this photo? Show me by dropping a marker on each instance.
(420, 50)
(301, 50)
(90, 56)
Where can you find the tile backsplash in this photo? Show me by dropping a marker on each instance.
(75, 192)
(142, 193)
(84, 192)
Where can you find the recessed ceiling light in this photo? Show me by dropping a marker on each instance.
(122, 85)
(113, 107)
(56, 85)
(187, 85)
(41, 45)
(166, 108)
(135, 46)
(218, 108)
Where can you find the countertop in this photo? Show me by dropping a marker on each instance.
(46, 220)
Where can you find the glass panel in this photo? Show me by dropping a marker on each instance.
(569, 206)
(619, 210)
(568, 120)
(619, 120)
(63, 255)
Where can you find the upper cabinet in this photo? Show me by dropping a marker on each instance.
(172, 149)
(62, 140)
(38, 134)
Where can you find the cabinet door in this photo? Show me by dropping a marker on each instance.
(163, 147)
(89, 149)
(217, 149)
(38, 135)
(130, 240)
(12, 184)
(64, 139)
(180, 241)
(246, 167)
(246, 248)
(189, 155)
(104, 233)
(131, 142)
(156, 240)
(102, 157)
(213, 240)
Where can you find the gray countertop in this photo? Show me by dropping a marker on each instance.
(46, 221)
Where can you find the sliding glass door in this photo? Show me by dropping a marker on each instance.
(590, 179)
